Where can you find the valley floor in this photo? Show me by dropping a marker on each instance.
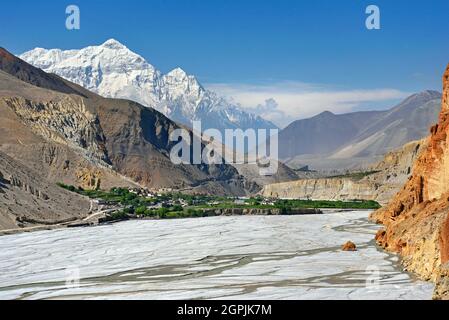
(246, 257)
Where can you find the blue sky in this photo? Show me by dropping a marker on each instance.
(255, 45)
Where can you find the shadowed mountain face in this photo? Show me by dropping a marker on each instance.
(328, 141)
(74, 136)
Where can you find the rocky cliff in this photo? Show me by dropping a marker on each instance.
(65, 121)
(416, 220)
(322, 189)
(386, 179)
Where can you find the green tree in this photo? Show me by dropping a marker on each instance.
(140, 210)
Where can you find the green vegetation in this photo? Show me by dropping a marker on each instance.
(120, 196)
(178, 205)
(117, 215)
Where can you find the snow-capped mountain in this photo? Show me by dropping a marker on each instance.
(112, 70)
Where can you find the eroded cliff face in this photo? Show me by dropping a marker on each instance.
(389, 176)
(416, 220)
(322, 189)
(60, 138)
(66, 122)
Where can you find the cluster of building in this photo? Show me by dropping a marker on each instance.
(159, 193)
(147, 193)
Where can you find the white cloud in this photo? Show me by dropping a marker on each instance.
(285, 102)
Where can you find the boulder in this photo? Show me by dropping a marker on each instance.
(349, 246)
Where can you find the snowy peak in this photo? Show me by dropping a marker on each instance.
(44, 59)
(177, 73)
(113, 44)
(179, 84)
(114, 71)
(179, 76)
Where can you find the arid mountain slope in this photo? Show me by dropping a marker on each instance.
(52, 134)
(406, 122)
(416, 220)
(27, 198)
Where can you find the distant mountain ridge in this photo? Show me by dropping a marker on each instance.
(408, 121)
(113, 71)
(329, 141)
(322, 133)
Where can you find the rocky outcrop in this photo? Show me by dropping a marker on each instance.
(89, 179)
(442, 283)
(386, 179)
(349, 246)
(416, 220)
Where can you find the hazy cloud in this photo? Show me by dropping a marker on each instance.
(269, 110)
(285, 102)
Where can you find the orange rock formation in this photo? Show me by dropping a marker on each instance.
(416, 220)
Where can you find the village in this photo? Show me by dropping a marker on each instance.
(141, 203)
(169, 198)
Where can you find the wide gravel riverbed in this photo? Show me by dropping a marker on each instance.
(244, 257)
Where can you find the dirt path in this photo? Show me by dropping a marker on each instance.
(56, 225)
